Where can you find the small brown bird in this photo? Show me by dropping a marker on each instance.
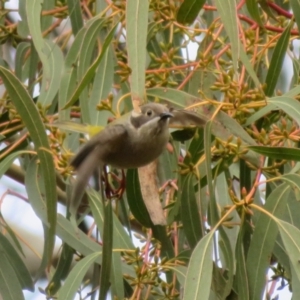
(125, 143)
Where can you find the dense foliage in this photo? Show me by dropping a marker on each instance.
(229, 190)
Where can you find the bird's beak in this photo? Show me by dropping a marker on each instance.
(165, 115)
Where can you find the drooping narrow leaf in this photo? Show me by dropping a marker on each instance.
(107, 240)
(259, 114)
(62, 269)
(292, 92)
(228, 13)
(136, 35)
(16, 263)
(199, 273)
(75, 15)
(264, 235)
(23, 29)
(22, 49)
(290, 237)
(296, 11)
(135, 199)
(196, 147)
(46, 21)
(86, 55)
(277, 60)
(49, 53)
(6, 163)
(117, 276)
(278, 152)
(295, 284)
(73, 281)
(289, 105)
(241, 277)
(253, 8)
(76, 238)
(167, 250)
(69, 76)
(33, 191)
(10, 288)
(102, 86)
(247, 64)
(213, 218)
(189, 210)
(189, 10)
(33, 122)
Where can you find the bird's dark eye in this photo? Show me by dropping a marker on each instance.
(149, 113)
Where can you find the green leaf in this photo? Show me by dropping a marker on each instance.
(224, 285)
(62, 269)
(291, 216)
(75, 15)
(189, 210)
(174, 97)
(248, 66)
(253, 8)
(107, 239)
(241, 277)
(295, 284)
(10, 288)
(104, 79)
(73, 281)
(167, 247)
(264, 235)
(223, 182)
(292, 179)
(290, 237)
(135, 199)
(259, 114)
(199, 273)
(117, 282)
(69, 77)
(86, 54)
(49, 53)
(74, 237)
(13, 236)
(34, 193)
(277, 152)
(296, 11)
(22, 50)
(228, 13)
(46, 21)
(196, 147)
(16, 263)
(32, 120)
(277, 60)
(180, 272)
(6, 163)
(289, 105)
(23, 29)
(292, 92)
(189, 10)
(136, 40)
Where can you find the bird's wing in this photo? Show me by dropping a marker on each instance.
(89, 158)
(186, 118)
(111, 136)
